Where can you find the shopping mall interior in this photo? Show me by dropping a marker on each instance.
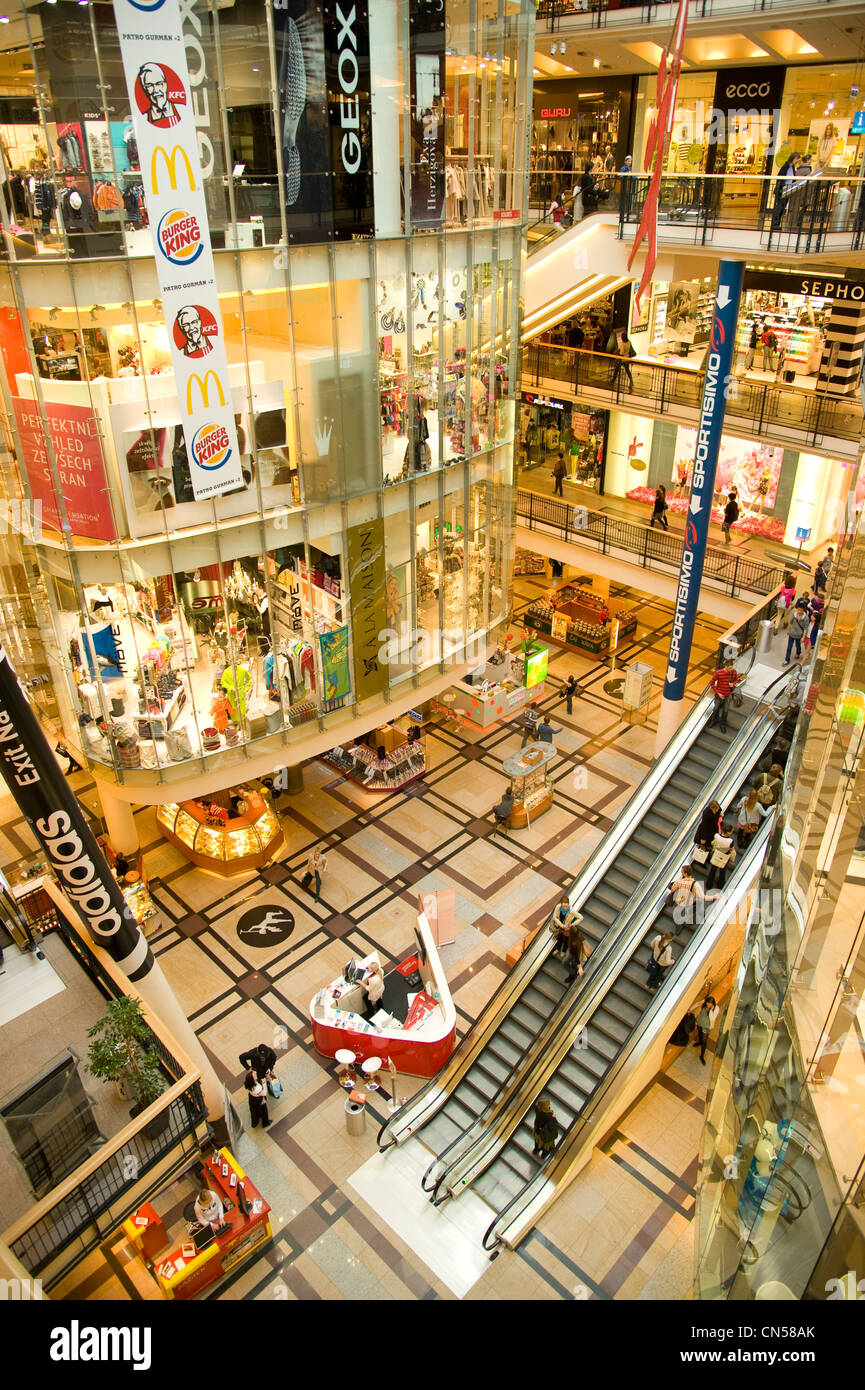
(432, 860)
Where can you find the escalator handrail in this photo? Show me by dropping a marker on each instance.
(561, 1155)
(644, 910)
(531, 959)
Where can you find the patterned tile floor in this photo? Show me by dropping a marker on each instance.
(624, 1227)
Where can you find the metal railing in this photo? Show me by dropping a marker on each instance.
(564, 16)
(731, 574)
(816, 213)
(813, 416)
(101, 1192)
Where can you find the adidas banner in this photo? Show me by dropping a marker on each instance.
(157, 79)
(323, 78)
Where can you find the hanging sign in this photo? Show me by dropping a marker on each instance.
(427, 63)
(157, 78)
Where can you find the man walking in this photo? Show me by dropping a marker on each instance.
(731, 515)
(316, 864)
(545, 731)
(571, 689)
(559, 472)
(723, 683)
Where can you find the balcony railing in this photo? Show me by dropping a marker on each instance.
(737, 576)
(554, 16)
(83, 1210)
(799, 416)
(820, 212)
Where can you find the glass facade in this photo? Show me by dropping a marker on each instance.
(780, 1195)
(371, 331)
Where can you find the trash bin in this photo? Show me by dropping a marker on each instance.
(764, 636)
(355, 1116)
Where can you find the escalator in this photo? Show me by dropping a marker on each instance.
(606, 905)
(519, 1187)
(489, 1063)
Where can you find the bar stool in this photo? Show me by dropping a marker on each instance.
(370, 1069)
(346, 1076)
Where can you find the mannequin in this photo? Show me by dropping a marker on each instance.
(236, 681)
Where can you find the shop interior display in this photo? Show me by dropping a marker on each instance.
(564, 145)
(799, 323)
(576, 617)
(528, 784)
(387, 758)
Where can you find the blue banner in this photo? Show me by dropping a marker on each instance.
(719, 360)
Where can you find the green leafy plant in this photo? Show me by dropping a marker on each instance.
(121, 1052)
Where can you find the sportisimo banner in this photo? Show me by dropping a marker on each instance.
(157, 78)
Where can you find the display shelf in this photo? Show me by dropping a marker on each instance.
(241, 842)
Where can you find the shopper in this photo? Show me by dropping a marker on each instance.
(769, 342)
(783, 186)
(751, 812)
(753, 340)
(316, 865)
(828, 560)
(723, 683)
(530, 723)
(659, 508)
(731, 515)
(784, 602)
(560, 925)
(579, 949)
(709, 823)
(685, 894)
(545, 1130)
(626, 185)
(705, 1018)
(820, 577)
(816, 606)
(63, 752)
(572, 689)
(559, 473)
(660, 960)
(620, 350)
(768, 785)
(589, 190)
(722, 854)
(260, 1059)
(796, 630)
(545, 731)
(257, 1092)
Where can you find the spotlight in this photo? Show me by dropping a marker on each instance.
(97, 309)
(52, 314)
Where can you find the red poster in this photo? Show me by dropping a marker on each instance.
(13, 345)
(77, 453)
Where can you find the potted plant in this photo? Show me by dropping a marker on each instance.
(121, 1052)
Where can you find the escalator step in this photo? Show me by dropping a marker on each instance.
(515, 1032)
(612, 1027)
(502, 1050)
(636, 995)
(601, 1043)
(593, 1062)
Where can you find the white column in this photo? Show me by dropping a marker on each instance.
(670, 716)
(386, 91)
(119, 822)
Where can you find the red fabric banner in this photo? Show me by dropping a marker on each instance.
(77, 453)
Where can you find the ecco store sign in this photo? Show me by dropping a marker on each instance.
(739, 90)
(153, 50)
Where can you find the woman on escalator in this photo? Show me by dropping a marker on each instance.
(545, 1131)
(579, 949)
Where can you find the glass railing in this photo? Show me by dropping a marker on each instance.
(734, 575)
(796, 413)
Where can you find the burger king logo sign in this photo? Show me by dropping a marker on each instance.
(179, 237)
(211, 447)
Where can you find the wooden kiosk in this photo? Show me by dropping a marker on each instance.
(531, 792)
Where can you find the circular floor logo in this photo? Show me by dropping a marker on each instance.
(265, 925)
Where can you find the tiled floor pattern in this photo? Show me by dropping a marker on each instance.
(623, 1228)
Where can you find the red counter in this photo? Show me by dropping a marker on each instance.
(182, 1278)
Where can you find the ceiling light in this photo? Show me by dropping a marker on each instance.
(52, 314)
(596, 62)
(255, 69)
(4, 19)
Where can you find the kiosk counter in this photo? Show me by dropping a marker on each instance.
(416, 1025)
(183, 1275)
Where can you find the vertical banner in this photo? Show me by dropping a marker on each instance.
(366, 575)
(427, 60)
(154, 62)
(719, 360)
(43, 795)
(323, 79)
(74, 434)
(334, 664)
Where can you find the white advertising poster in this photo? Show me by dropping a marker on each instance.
(157, 78)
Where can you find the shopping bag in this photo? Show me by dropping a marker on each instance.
(274, 1086)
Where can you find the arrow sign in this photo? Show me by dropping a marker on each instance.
(723, 298)
(696, 504)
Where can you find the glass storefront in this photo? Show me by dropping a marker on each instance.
(372, 380)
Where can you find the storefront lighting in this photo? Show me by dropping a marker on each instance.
(596, 62)
(4, 19)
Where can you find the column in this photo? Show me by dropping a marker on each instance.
(719, 360)
(119, 822)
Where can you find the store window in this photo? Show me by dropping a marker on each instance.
(577, 126)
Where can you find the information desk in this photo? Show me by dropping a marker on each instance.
(183, 1277)
(229, 847)
(529, 788)
(419, 1042)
